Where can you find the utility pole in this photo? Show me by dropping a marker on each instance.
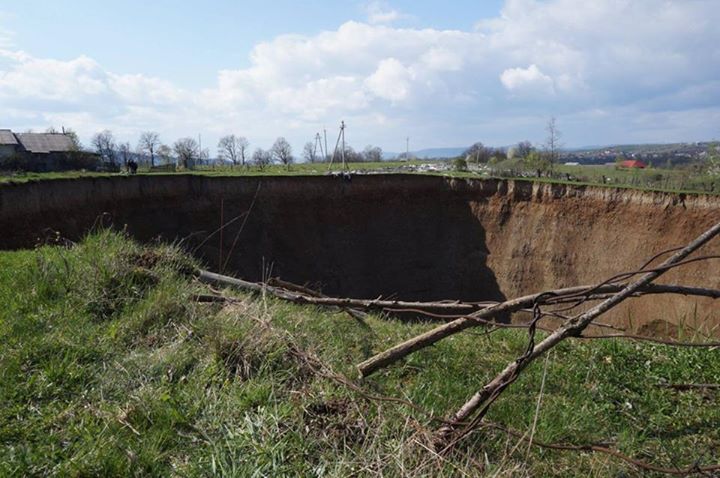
(407, 148)
(342, 130)
(326, 150)
(318, 143)
(341, 137)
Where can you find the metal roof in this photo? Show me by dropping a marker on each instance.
(45, 142)
(7, 137)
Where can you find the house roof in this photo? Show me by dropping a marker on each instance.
(45, 142)
(7, 137)
(633, 163)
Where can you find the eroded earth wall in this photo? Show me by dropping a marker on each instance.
(411, 237)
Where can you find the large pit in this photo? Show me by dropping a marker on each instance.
(409, 237)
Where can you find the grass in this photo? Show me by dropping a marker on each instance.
(109, 368)
(300, 169)
(651, 179)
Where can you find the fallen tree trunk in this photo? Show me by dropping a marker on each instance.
(213, 278)
(302, 295)
(574, 327)
(317, 299)
(399, 351)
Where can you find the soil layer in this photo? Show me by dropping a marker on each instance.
(404, 236)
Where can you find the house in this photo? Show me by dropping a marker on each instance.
(633, 164)
(42, 152)
(8, 143)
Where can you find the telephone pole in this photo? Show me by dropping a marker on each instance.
(341, 137)
(326, 150)
(318, 143)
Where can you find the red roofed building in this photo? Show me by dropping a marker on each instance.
(633, 163)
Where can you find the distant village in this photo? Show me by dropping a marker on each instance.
(653, 155)
(61, 151)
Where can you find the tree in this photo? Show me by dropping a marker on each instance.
(76, 144)
(496, 155)
(261, 158)
(164, 153)
(552, 142)
(149, 142)
(372, 154)
(125, 152)
(523, 149)
(233, 148)
(352, 156)
(282, 152)
(309, 153)
(105, 146)
(477, 153)
(538, 161)
(459, 164)
(713, 159)
(187, 152)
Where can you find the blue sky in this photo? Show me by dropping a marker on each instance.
(188, 42)
(443, 73)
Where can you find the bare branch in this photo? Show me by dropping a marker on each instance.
(573, 328)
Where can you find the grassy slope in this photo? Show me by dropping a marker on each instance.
(107, 367)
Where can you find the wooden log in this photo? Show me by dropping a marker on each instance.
(317, 299)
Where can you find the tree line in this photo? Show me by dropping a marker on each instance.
(231, 149)
(540, 159)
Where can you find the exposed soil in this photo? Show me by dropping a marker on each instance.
(410, 237)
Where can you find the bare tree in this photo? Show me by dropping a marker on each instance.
(70, 133)
(149, 142)
(125, 152)
(309, 153)
(477, 153)
(105, 146)
(227, 149)
(372, 154)
(261, 158)
(187, 151)
(352, 156)
(282, 152)
(203, 155)
(523, 149)
(233, 148)
(552, 142)
(164, 153)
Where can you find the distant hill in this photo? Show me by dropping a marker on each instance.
(430, 153)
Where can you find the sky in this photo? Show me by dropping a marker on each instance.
(444, 74)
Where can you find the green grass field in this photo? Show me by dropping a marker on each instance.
(301, 169)
(108, 367)
(652, 179)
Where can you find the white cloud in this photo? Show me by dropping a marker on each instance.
(139, 89)
(44, 79)
(391, 81)
(497, 83)
(527, 80)
(380, 13)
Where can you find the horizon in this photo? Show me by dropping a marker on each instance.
(612, 72)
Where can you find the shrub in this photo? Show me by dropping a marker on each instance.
(459, 164)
